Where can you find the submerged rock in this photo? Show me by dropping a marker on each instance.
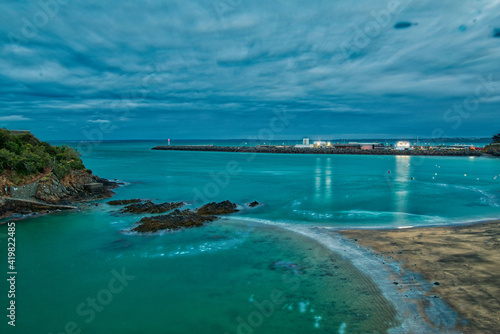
(173, 221)
(118, 244)
(150, 207)
(217, 208)
(124, 201)
(293, 267)
(496, 33)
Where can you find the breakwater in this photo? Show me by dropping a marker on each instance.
(315, 150)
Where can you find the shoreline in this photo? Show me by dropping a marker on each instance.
(417, 312)
(458, 262)
(458, 303)
(316, 150)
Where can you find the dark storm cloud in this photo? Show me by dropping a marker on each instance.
(152, 69)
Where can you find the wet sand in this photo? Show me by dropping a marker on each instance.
(463, 260)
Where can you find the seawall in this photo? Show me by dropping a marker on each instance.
(315, 150)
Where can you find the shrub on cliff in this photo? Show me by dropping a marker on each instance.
(496, 138)
(24, 155)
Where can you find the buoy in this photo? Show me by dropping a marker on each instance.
(412, 178)
(389, 172)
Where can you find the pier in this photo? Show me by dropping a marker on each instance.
(315, 150)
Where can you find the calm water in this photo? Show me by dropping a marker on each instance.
(234, 275)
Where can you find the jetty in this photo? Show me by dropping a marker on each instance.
(318, 150)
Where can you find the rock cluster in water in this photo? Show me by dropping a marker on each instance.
(124, 201)
(150, 207)
(173, 221)
(176, 219)
(217, 208)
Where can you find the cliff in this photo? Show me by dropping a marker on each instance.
(39, 177)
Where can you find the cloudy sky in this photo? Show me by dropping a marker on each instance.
(155, 69)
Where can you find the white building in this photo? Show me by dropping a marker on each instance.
(402, 145)
(319, 143)
(305, 143)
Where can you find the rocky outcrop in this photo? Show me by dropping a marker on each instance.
(124, 201)
(150, 207)
(25, 207)
(50, 193)
(217, 208)
(77, 186)
(173, 221)
(179, 219)
(253, 204)
(493, 149)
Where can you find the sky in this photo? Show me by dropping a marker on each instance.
(223, 69)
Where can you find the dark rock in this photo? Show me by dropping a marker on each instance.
(217, 208)
(10, 206)
(293, 267)
(150, 207)
(437, 283)
(395, 283)
(118, 244)
(173, 221)
(402, 25)
(124, 201)
(253, 204)
(106, 183)
(94, 187)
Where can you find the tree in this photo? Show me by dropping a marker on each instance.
(496, 138)
(24, 155)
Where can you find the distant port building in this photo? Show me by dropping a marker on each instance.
(305, 143)
(350, 145)
(402, 145)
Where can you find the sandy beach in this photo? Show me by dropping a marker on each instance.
(461, 263)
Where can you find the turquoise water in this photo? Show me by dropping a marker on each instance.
(234, 275)
(338, 190)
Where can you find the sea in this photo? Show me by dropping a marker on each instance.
(249, 272)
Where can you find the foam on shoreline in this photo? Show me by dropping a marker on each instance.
(416, 312)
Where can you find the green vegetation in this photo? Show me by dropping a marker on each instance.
(496, 138)
(23, 155)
